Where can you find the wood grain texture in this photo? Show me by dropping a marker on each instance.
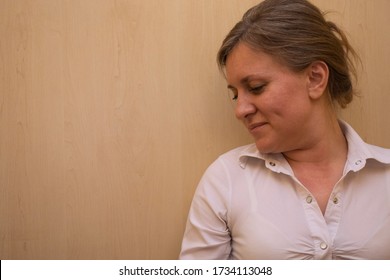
(110, 111)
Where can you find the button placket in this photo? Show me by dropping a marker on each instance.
(317, 225)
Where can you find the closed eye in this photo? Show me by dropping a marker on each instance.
(257, 89)
(233, 93)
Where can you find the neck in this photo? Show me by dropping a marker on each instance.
(326, 146)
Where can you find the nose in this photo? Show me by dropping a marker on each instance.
(244, 107)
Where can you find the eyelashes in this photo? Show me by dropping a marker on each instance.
(255, 90)
(234, 96)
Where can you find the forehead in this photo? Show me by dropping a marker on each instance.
(245, 61)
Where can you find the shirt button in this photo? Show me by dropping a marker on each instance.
(335, 200)
(309, 199)
(272, 163)
(323, 246)
(358, 162)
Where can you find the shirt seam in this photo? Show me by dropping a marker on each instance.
(229, 203)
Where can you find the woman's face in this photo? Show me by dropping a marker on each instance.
(272, 101)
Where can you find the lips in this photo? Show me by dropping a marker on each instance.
(255, 126)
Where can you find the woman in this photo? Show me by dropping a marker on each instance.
(309, 187)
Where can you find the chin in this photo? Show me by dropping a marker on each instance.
(265, 149)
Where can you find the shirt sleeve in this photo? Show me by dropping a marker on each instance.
(207, 234)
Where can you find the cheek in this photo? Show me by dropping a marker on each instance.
(288, 102)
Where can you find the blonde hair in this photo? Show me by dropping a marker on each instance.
(296, 32)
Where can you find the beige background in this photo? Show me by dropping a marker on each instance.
(110, 111)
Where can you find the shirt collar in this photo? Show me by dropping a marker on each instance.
(275, 162)
(358, 153)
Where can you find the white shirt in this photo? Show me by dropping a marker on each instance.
(250, 205)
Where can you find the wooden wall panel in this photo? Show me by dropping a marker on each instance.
(110, 111)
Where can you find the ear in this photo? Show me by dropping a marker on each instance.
(318, 75)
